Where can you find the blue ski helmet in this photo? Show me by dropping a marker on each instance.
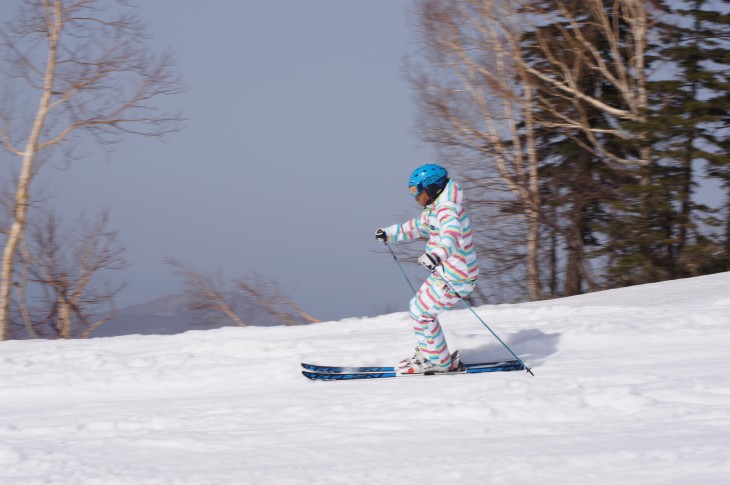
(430, 177)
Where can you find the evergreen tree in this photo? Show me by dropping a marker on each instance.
(657, 230)
(690, 128)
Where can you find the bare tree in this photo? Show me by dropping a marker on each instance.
(86, 65)
(206, 294)
(66, 264)
(267, 293)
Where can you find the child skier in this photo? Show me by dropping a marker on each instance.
(449, 254)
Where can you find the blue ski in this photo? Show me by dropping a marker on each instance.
(328, 369)
(333, 373)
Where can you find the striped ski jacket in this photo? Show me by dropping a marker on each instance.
(449, 232)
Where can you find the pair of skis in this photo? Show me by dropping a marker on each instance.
(340, 373)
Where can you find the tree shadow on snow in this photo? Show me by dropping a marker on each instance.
(532, 346)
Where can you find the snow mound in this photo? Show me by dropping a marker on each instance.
(630, 386)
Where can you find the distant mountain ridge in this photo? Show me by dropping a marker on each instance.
(168, 315)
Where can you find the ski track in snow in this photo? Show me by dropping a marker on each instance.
(630, 386)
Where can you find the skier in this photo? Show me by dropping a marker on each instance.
(449, 254)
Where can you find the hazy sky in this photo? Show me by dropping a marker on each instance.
(300, 140)
(299, 144)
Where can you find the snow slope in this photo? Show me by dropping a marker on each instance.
(630, 386)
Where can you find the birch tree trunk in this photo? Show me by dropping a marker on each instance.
(64, 326)
(22, 194)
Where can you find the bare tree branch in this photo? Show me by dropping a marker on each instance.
(205, 293)
(268, 294)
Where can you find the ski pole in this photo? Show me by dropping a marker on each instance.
(469, 307)
(395, 258)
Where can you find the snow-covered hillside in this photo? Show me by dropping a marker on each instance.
(631, 386)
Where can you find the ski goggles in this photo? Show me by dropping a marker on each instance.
(415, 190)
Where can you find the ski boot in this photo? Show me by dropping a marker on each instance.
(420, 365)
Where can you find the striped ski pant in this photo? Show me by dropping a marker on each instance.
(434, 297)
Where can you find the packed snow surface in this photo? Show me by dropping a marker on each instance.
(631, 386)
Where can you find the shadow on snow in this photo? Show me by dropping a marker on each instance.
(532, 346)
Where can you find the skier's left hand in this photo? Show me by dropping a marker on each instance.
(430, 261)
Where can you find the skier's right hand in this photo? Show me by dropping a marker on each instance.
(381, 236)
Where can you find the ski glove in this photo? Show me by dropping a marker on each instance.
(430, 261)
(381, 236)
